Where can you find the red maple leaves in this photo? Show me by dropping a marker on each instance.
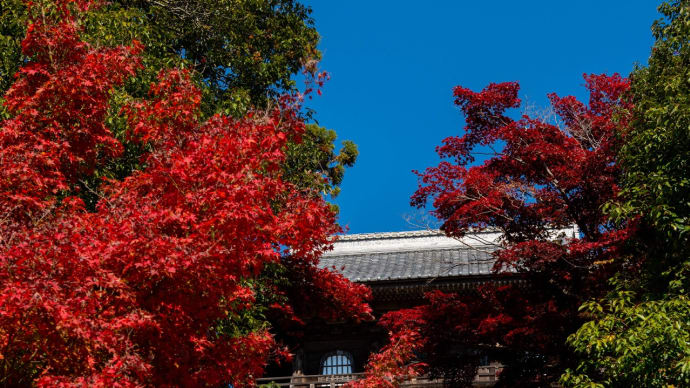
(58, 102)
(542, 177)
(132, 294)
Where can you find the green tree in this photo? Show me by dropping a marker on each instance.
(244, 50)
(313, 162)
(640, 333)
(12, 20)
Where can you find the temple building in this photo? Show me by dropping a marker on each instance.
(399, 268)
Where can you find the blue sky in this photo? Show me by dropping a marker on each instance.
(393, 65)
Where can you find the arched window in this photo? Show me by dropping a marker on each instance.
(336, 363)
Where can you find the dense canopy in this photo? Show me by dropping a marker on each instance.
(162, 283)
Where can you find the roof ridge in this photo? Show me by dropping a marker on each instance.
(403, 234)
(388, 235)
(482, 248)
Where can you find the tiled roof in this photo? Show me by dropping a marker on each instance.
(370, 267)
(410, 255)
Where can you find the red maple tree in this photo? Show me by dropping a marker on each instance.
(137, 292)
(541, 175)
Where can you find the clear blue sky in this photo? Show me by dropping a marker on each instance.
(393, 65)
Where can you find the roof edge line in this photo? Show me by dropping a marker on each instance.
(403, 234)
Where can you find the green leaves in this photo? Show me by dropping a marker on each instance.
(12, 28)
(631, 342)
(639, 334)
(657, 152)
(313, 163)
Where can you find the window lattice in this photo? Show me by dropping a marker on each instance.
(336, 363)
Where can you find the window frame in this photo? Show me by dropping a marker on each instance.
(340, 366)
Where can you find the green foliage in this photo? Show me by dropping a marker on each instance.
(245, 51)
(634, 341)
(269, 385)
(242, 321)
(639, 334)
(242, 48)
(657, 152)
(313, 163)
(12, 26)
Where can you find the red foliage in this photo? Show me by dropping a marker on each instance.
(395, 362)
(542, 174)
(132, 294)
(59, 102)
(310, 286)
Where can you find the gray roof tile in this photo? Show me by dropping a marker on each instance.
(412, 264)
